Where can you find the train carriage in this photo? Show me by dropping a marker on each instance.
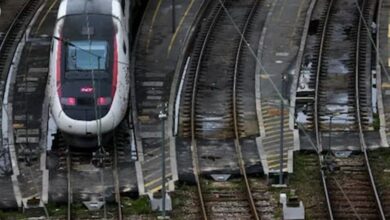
(89, 72)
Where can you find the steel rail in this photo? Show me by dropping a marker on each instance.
(8, 40)
(358, 114)
(70, 196)
(323, 180)
(8, 46)
(316, 103)
(237, 144)
(318, 73)
(12, 32)
(116, 180)
(13, 24)
(193, 132)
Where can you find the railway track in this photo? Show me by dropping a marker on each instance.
(15, 87)
(348, 182)
(93, 177)
(307, 183)
(103, 162)
(218, 121)
(8, 44)
(336, 89)
(9, 9)
(216, 62)
(11, 38)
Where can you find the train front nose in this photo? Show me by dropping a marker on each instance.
(85, 102)
(86, 108)
(86, 83)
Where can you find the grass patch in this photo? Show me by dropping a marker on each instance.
(306, 181)
(183, 193)
(56, 210)
(12, 215)
(79, 209)
(180, 197)
(306, 172)
(137, 207)
(185, 202)
(376, 121)
(380, 165)
(278, 212)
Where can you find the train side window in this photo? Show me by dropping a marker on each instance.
(124, 47)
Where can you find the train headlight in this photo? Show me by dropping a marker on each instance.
(104, 101)
(71, 101)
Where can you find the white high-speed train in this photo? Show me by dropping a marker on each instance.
(89, 69)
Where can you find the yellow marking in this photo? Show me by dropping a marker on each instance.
(44, 17)
(152, 182)
(152, 24)
(156, 189)
(144, 118)
(275, 112)
(157, 180)
(385, 85)
(18, 125)
(388, 31)
(179, 26)
(388, 62)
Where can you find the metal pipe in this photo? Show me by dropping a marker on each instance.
(162, 117)
(282, 130)
(163, 169)
(330, 133)
(173, 16)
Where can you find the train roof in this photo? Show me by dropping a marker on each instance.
(78, 7)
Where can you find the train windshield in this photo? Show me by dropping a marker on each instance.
(86, 55)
